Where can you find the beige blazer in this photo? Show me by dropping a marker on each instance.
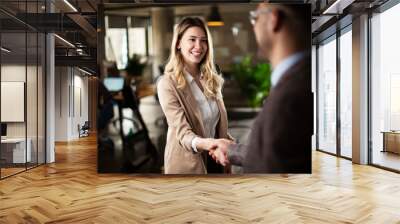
(184, 123)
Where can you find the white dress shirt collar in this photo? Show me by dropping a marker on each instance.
(284, 66)
(189, 77)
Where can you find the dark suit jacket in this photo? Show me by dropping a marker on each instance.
(280, 140)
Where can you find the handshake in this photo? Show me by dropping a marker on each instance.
(218, 149)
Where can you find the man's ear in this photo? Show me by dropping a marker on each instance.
(276, 20)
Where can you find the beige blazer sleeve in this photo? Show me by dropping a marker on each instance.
(174, 111)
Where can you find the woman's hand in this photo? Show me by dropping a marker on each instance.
(218, 148)
(220, 151)
(219, 156)
(206, 143)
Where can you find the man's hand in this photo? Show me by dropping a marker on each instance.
(219, 151)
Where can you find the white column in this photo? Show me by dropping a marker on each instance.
(162, 29)
(50, 92)
(360, 90)
(50, 99)
(62, 103)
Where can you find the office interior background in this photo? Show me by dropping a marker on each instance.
(50, 64)
(146, 31)
(30, 90)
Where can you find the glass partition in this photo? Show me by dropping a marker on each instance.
(14, 146)
(22, 89)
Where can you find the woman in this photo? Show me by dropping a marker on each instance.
(190, 96)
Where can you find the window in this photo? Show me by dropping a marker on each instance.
(385, 88)
(139, 33)
(346, 93)
(116, 42)
(313, 89)
(327, 95)
(116, 47)
(126, 36)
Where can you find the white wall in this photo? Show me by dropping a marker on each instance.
(33, 126)
(62, 78)
(12, 73)
(71, 102)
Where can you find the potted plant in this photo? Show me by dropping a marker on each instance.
(135, 66)
(254, 80)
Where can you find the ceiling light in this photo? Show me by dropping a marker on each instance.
(84, 71)
(65, 41)
(70, 5)
(5, 50)
(214, 19)
(337, 7)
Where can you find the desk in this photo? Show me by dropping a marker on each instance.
(146, 90)
(16, 148)
(391, 141)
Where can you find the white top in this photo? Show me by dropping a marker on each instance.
(208, 109)
(284, 66)
(13, 140)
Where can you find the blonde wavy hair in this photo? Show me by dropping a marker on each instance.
(175, 64)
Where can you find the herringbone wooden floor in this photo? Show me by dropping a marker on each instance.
(70, 191)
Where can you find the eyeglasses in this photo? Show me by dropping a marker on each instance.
(254, 15)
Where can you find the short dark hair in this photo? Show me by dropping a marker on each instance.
(297, 17)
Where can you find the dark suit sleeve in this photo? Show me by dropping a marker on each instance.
(280, 141)
(236, 154)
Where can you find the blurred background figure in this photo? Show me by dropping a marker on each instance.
(123, 141)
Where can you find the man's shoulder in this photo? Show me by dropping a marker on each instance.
(293, 89)
(297, 78)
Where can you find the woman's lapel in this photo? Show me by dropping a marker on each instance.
(194, 106)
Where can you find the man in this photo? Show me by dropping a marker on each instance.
(280, 141)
